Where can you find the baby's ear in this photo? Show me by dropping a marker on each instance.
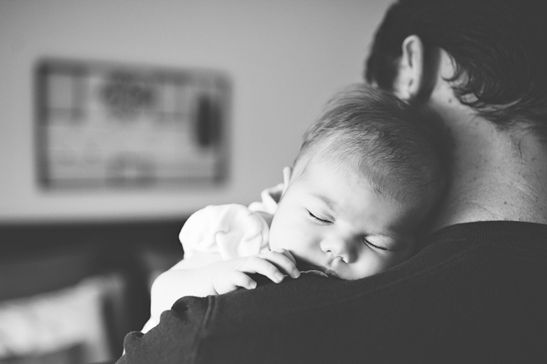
(287, 173)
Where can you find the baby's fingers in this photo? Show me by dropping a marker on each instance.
(262, 266)
(284, 261)
(230, 281)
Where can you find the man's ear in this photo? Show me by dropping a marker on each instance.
(287, 173)
(409, 78)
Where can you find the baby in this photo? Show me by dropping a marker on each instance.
(367, 177)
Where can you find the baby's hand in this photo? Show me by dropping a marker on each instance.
(231, 274)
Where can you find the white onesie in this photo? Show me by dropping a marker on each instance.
(222, 232)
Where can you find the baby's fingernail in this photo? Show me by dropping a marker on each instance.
(252, 285)
(296, 273)
(278, 277)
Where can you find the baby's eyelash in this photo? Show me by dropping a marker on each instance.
(318, 218)
(375, 246)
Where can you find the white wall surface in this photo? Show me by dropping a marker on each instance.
(284, 57)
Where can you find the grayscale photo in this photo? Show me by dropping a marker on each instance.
(273, 182)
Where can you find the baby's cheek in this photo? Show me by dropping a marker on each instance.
(277, 240)
(386, 261)
(369, 263)
(284, 235)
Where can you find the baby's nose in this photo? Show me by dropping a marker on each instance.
(338, 248)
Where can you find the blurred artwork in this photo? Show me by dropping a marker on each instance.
(101, 125)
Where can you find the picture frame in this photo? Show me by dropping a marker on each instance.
(113, 125)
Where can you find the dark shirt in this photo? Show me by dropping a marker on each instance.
(477, 293)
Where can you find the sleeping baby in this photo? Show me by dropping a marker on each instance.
(368, 174)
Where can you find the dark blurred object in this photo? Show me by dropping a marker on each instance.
(209, 122)
(37, 259)
(70, 355)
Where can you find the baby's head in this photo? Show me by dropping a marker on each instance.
(368, 174)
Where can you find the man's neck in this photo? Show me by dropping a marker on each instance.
(496, 176)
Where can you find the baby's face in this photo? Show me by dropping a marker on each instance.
(332, 220)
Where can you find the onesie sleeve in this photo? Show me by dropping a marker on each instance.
(269, 199)
(225, 231)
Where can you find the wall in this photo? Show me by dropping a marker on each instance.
(284, 57)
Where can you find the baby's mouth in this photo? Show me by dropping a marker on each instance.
(307, 267)
(304, 265)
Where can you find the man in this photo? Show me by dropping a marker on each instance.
(476, 291)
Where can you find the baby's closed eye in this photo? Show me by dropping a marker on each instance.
(383, 243)
(319, 217)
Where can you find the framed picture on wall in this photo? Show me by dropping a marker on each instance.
(102, 124)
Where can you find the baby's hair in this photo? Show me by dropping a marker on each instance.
(397, 147)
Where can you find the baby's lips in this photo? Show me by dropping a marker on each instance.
(305, 266)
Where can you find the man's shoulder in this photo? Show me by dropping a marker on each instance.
(473, 292)
(526, 234)
(466, 288)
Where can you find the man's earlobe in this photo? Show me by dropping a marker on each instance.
(408, 81)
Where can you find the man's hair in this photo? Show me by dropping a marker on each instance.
(499, 48)
(394, 145)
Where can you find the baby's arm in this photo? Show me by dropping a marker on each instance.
(215, 234)
(216, 278)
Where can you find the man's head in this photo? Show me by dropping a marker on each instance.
(368, 173)
(497, 46)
